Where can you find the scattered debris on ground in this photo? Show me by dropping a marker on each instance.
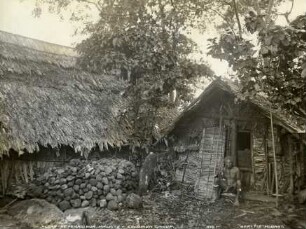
(165, 210)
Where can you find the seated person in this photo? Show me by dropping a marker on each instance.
(229, 181)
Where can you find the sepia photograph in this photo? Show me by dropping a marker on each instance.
(153, 114)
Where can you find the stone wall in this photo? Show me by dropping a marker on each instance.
(16, 171)
(105, 182)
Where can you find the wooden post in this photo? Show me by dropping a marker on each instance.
(271, 173)
(185, 167)
(302, 161)
(219, 161)
(272, 182)
(291, 184)
(234, 141)
(201, 147)
(267, 161)
(274, 157)
(253, 177)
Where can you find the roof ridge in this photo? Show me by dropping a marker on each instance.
(36, 44)
(37, 50)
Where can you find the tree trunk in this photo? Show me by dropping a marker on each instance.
(268, 15)
(163, 19)
(237, 18)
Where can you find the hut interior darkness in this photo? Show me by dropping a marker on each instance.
(49, 106)
(221, 122)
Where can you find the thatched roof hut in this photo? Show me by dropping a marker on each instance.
(45, 100)
(291, 123)
(222, 122)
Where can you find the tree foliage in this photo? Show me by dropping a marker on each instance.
(145, 41)
(275, 65)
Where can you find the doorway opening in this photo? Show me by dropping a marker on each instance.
(244, 157)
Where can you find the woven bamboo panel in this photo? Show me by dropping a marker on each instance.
(211, 156)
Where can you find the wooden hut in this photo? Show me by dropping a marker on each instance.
(49, 105)
(222, 122)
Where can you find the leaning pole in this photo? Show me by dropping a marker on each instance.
(274, 157)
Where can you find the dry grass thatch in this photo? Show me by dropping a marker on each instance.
(45, 100)
(290, 123)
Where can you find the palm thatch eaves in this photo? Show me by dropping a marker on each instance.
(46, 100)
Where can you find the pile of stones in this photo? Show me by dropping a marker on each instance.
(102, 183)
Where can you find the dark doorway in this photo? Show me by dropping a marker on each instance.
(244, 157)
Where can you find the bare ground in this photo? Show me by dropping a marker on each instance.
(186, 212)
(183, 211)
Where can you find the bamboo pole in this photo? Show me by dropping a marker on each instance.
(274, 157)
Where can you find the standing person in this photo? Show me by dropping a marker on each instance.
(146, 174)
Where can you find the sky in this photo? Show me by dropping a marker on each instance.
(16, 17)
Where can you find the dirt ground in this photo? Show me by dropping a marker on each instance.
(168, 211)
(164, 210)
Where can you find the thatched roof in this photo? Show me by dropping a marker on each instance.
(45, 100)
(289, 122)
